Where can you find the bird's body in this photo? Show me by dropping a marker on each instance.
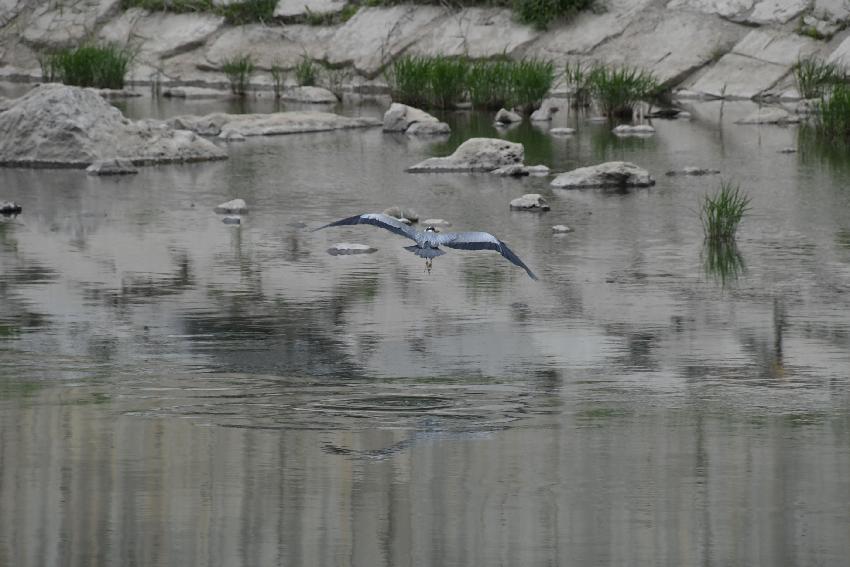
(428, 241)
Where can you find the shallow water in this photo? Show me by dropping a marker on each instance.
(174, 390)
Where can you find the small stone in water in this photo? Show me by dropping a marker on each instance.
(562, 131)
(345, 248)
(530, 202)
(234, 207)
(232, 219)
(561, 229)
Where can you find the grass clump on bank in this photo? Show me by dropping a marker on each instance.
(722, 212)
(305, 73)
(440, 82)
(101, 66)
(238, 70)
(618, 90)
(815, 77)
(541, 13)
(832, 119)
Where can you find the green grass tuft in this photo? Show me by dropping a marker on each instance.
(247, 12)
(305, 72)
(722, 212)
(815, 77)
(541, 13)
(832, 119)
(618, 90)
(238, 70)
(89, 65)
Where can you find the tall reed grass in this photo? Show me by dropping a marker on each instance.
(618, 89)
(441, 82)
(306, 72)
(89, 65)
(238, 70)
(832, 117)
(815, 77)
(722, 212)
(541, 13)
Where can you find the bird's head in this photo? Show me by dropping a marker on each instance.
(431, 228)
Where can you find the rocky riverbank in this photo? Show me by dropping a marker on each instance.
(736, 49)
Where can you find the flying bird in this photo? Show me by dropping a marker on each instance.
(428, 241)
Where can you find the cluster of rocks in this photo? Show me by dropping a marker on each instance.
(412, 121)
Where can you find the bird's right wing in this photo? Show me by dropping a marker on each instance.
(482, 241)
(376, 219)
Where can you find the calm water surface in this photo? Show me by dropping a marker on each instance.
(177, 391)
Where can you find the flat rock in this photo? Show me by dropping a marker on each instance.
(231, 137)
(346, 248)
(505, 116)
(561, 229)
(530, 202)
(723, 8)
(777, 11)
(6, 103)
(310, 95)
(402, 213)
(755, 64)
(283, 46)
(232, 207)
(428, 129)
(60, 24)
(547, 108)
(9, 208)
(475, 154)
(159, 35)
(637, 130)
(538, 170)
(690, 170)
(562, 131)
(61, 126)
(399, 117)
(271, 124)
(115, 166)
(298, 8)
(513, 170)
(608, 174)
(196, 93)
(437, 223)
(770, 115)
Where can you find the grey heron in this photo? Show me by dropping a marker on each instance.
(428, 241)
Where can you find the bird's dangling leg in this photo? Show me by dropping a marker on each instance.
(428, 265)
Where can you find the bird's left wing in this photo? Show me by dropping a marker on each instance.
(376, 219)
(482, 241)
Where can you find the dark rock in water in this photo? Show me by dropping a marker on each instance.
(346, 248)
(232, 219)
(115, 166)
(9, 208)
(693, 171)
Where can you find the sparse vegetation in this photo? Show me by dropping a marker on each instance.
(576, 77)
(540, 13)
(722, 212)
(722, 260)
(305, 72)
(443, 81)
(815, 77)
(89, 65)
(176, 6)
(278, 75)
(618, 89)
(238, 13)
(238, 70)
(832, 119)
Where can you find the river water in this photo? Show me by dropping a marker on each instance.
(178, 391)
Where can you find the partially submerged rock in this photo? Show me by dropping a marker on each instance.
(562, 131)
(690, 170)
(346, 248)
(770, 115)
(272, 124)
(475, 154)
(196, 93)
(232, 207)
(61, 126)
(530, 202)
(403, 118)
(608, 174)
(547, 108)
(637, 130)
(520, 170)
(561, 229)
(505, 116)
(231, 219)
(310, 95)
(114, 166)
(9, 208)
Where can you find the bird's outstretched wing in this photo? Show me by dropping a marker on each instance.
(383, 221)
(482, 241)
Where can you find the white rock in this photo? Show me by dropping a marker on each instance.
(770, 115)
(530, 202)
(59, 24)
(637, 130)
(475, 154)
(608, 174)
(561, 229)
(537, 170)
(232, 207)
(311, 95)
(116, 166)
(777, 11)
(547, 108)
(272, 124)
(505, 116)
(722, 8)
(562, 131)
(428, 129)
(61, 126)
(346, 248)
(267, 45)
(399, 117)
(295, 8)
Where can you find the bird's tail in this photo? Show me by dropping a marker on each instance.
(425, 252)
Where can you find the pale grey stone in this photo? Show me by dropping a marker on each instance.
(347, 248)
(196, 93)
(505, 116)
(608, 174)
(61, 126)
(513, 170)
(475, 154)
(770, 115)
(402, 213)
(67, 23)
(399, 117)
(788, 150)
(561, 229)
(115, 166)
(636, 130)
(562, 131)
(282, 46)
(232, 137)
(232, 207)
(723, 8)
(538, 170)
(295, 8)
(437, 223)
(293, 122)
(428, 129)
(777, 11)
(311, 95)
(547, 108)
(530, 202)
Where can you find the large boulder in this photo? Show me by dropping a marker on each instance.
(403, 118)
(227, 126)
(475, 154)
(60, 126)
(608, 174)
